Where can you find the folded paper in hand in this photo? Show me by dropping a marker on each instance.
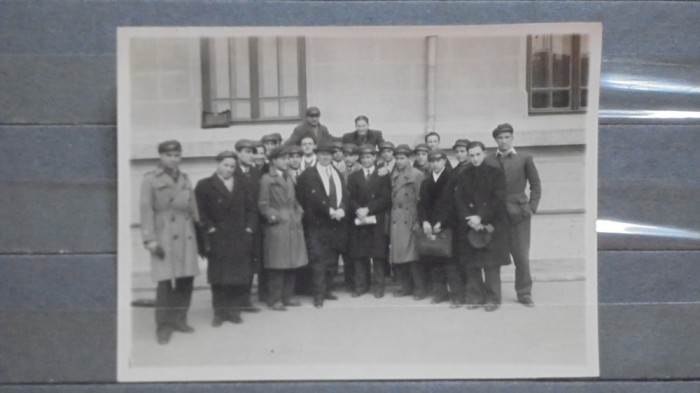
(369, 220)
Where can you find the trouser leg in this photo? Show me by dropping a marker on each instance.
(348, 271)
(520, 249)
(402, 274)
(475, 286)
(163, 304)
(289, 283)
(262, 285)
(378, 274)
(182, 299)
(453, 270)
(438, 274)
(275, 282)
(361, 279)
(319, 279)
(492, 285)
(417, 271)
(331, 269)
(218, 299)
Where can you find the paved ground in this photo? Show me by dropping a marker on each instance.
(363, 333)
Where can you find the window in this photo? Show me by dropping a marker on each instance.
(557, 73)
(257, 79)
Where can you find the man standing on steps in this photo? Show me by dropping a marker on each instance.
(519, 169)
(310, 127)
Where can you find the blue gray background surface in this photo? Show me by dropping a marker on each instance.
(58, 210)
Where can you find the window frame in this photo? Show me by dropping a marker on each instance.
(254, 69)
(574, 89)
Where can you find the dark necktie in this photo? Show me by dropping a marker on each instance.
(333, 194)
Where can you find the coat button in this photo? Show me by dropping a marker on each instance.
(174, 237)
(172, 219)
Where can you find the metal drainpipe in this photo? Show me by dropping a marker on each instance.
(430, 88)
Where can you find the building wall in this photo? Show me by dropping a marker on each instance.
(479, 83)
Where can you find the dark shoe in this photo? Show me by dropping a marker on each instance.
(402, 292)
(526, 301)
(330, 296)
(163, 336)
(292, 303)
(234, 318)
(438, 299)
(278, 307)
(217, 321)
(250, 309)
(473, 306)
(491, 307)
(455, 304)
(379, 293)
(357, 293)
(183, 327)
(318, 303)
(419, 296)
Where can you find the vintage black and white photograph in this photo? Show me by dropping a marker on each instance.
(358, 203)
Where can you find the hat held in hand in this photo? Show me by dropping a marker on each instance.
(480, 238)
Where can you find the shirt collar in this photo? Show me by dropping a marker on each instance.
(511, 151)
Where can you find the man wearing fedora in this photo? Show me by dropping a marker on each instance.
(520, 171)
(322, 194)
(310, 127)
(481, 244)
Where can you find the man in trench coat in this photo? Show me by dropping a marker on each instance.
(405, 183)
(228, 214)
(285, 246)
(322, 194)
(369, 199)
(168, 215)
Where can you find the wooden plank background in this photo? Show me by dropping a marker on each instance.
(58, 215)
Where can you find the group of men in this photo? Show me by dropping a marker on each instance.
(288, 212)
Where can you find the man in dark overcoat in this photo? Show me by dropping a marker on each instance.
(434, 216)
(323, 196)
(460, 149)
(246, 150)
(228, 213)
(479, 198)
(520, 171)
(310, 127)
(168, 215)
(369, 201)
(363, 135)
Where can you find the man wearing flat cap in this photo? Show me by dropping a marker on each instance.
(386, 151)
(434, 217)
(403, 255)
(322, 194)
(269, 141)
(246, 150)
(421, 151)
(228, 216)
(460, 149)
(363, 135)
(295, 155)
(520, 171)
(310, 127)
(369, 201)
(168, 218)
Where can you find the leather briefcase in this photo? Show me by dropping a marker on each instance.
(439, 245)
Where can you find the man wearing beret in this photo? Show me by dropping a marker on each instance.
(228, 215)
(362, 134)
(369, 200)
(168, 216)
(520, 171)
(322, 194)
(246, 150)
(310, 127)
